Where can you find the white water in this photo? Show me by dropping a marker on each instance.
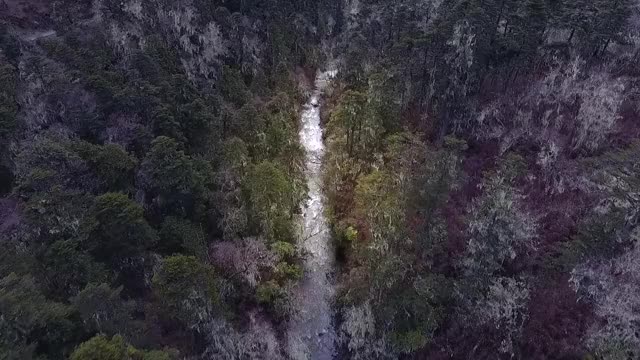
(311, 334)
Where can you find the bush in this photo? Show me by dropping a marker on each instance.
(274, 297)
(269, 292)
(284, 250)
(350, 234)
(409, 341)
(288, 272)
(102, 348)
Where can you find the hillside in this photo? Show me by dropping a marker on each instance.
(460, 181)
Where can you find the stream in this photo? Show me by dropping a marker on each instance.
(311, 333)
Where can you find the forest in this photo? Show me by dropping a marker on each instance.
(479, 164)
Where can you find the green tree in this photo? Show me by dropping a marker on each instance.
(196, 121)
(48, 161)
(111, 163)
(232, 87)
(69, 269)
(15, 259)
(271, 200)
(181, 235)
(231, 177)
(101, 347)
(30, 323)
(8, 105)
(354, 120)
(165, 123)
(166, 168)
(395, 273)
(186, 290)
(103, 310)
(618, 179)
(247, 123)
(56, 214)
(115, 228)
(609, 22)
(379, 200)
(171, 177)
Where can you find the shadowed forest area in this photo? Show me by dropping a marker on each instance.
(480, 176)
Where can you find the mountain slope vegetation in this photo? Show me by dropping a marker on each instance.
(482, 177)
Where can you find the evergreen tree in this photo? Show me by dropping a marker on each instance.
(116, 228)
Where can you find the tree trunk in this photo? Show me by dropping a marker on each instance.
(606, 45)
(573, 32)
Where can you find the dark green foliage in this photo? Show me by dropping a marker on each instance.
(103, 310)
(57, 214)
(31, 323)
(272, 295)
(9, 45)
(8, 110)
(185, 288)
(14, 259)
(91, 106)
(69, 269)
(284, 250)
(271, 200)
(8, 105)
(416, 311)
(196, 120)
(246, 123)
(115, 228)
(181, 235)
(172, 178)
(269, 292)
(602, 236)
(154, 88)
(390, 222)
(233, 88)
(279, 140)
(102, 348)
(608, 233)
(50, 161)
(350, 116)
(286, 271)
(166, 168)
(112, 165)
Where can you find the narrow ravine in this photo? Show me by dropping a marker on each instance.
(311, 334)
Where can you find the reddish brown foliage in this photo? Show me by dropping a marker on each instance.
(557, 322)
(628, 126)
(479, 158)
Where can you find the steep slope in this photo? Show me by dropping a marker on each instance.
(151, 175)
(480, 173)
(522, 116)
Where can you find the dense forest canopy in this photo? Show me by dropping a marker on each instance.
(482, 177)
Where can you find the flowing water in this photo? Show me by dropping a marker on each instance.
(311, 333)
